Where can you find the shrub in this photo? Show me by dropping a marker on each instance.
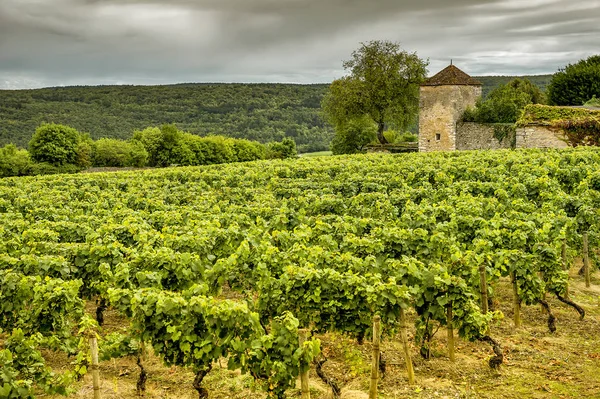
(54, 144)
(505, 103)
(576, 83)
(281, 150)
(14, 161)
(352, 136)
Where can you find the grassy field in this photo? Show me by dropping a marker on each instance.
(538, 364)
(316, 154)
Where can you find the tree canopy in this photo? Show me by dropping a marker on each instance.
(505, 103)
(576, 83)
(383, 84)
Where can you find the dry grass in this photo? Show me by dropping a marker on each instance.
(538, 364)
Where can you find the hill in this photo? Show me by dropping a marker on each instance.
(262, 112)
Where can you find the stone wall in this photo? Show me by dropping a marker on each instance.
(441, 107)
(538, 136)
(476, 136)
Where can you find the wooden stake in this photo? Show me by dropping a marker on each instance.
(403, 333)
(450, 332)
(95, 367)
(586, 259)
(304, 388)
(483, 289)
(563, 254)
(375, 364)
(516, 300)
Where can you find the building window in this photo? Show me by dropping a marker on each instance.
(438, 136)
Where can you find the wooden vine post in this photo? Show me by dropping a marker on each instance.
(516, 300)
(451, 354)
(563, 254)
(376, 351)
(483, 289)
(304, 388)
(95, 367)
(404, 335)
(586, 259)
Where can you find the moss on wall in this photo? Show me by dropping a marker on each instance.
(580, 126)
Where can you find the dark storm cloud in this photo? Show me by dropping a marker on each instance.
(56, 42)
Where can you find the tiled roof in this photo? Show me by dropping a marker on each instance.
(451, 75)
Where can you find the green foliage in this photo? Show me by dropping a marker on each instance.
(581, 126)
(593, 102)
(23, 370)
(576, 83)
(283, 150)
(505, 103)
(353, 135)
(14, 161)
(119, 153)
(54, 144)
(383, 85)
(256, 112)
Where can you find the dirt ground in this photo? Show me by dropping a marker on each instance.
(537, 363)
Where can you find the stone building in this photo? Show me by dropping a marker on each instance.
(442, 102)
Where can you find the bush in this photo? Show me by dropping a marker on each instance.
(592, 102)
(246, 150)
(281, 150)
(576, 83)
(14, 161)
(505, 103)
(44, 168)
(119, 153)
(352, 136)
(54, 144)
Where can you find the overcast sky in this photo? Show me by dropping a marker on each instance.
(73, 42)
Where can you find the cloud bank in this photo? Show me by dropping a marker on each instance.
(68, 42)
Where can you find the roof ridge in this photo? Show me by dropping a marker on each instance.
(451, 75)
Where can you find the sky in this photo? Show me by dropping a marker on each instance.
(92, 42)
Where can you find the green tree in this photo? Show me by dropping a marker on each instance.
(281, 150)
(576, 83)
(383, 84)
(14, 161)
(54, 144)
(505, 103)
(352, 136)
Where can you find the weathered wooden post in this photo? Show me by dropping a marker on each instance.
(304, 388)
(516, 300)
(586, 259)
(483, 289)
(376, 351)
(450, 332)
(404, 335)
(95, 367)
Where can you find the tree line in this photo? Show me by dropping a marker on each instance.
(58, 148)
(257, 112)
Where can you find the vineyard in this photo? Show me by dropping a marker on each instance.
(273, 271)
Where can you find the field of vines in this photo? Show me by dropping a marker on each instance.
(275, 270)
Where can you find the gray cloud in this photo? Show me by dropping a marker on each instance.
(62, 42)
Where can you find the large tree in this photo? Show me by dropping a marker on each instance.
(577, 83)
(383, 84)
(505, 103)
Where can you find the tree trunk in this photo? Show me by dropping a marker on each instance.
(197, 384)
(380, 136)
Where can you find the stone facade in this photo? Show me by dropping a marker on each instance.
(475, 136)
(441, 107)
(539, 136)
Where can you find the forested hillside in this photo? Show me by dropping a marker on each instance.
(262, 112)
